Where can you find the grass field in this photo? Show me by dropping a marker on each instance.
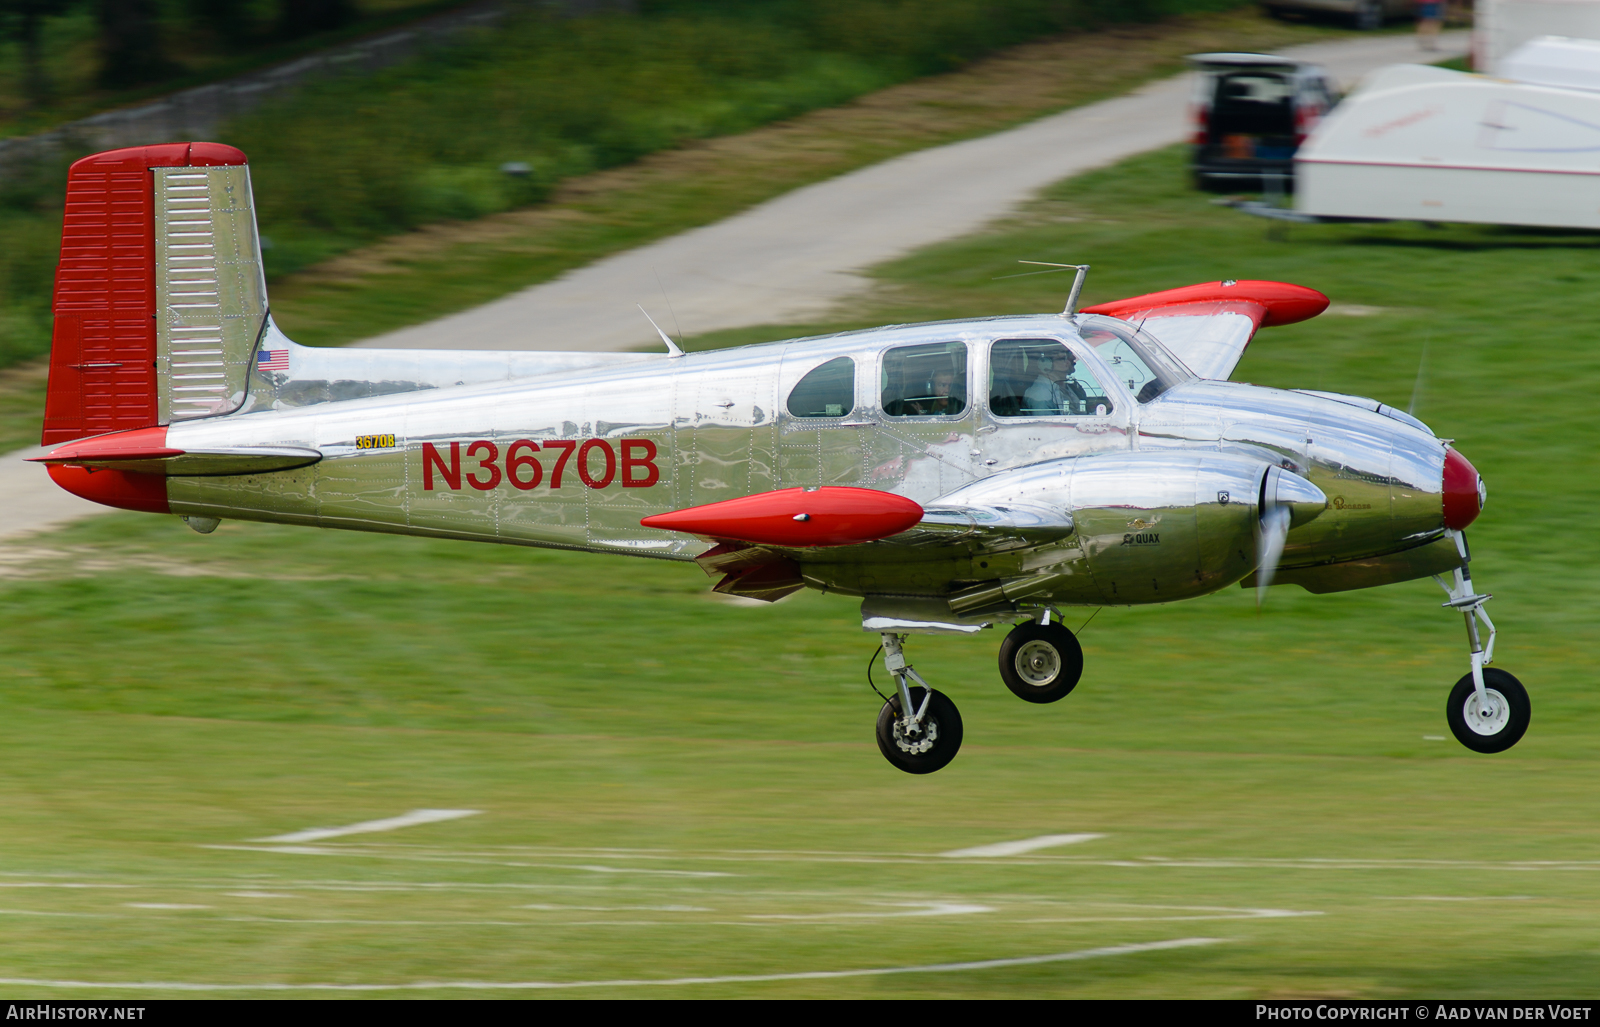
(674, 788)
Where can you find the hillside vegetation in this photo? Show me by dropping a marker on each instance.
(346, 161)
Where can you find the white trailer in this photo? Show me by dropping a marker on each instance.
(1426, 144)
(1501, 26)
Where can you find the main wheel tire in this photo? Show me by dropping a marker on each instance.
(1509, 714)
(1040, 662)
(934, 748)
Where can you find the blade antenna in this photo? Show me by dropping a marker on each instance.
(664, 296)
(672, 347)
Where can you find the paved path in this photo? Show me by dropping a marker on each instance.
(793, 257)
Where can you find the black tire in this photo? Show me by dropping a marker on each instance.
(1040, 663)
(1368, 15)
(1499, 734)
(941, 726)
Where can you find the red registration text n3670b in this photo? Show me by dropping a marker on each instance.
(631, 464)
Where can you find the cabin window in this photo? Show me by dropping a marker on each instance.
(923, 381)
(827, 391)
(1042, 378)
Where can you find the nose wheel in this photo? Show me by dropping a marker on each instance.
(919, 729)
(1494, 723)
(1488, 709)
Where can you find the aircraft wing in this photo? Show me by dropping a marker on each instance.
(1208, 326)
(759, 537)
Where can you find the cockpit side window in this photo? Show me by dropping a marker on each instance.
(1144, 372)
(1042, 378)
(929, 380)
(826, 391)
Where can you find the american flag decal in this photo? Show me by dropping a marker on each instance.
(272, 360)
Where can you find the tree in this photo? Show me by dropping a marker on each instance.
(25, 19)
(229, 19)
(131, 53)
(304, 17)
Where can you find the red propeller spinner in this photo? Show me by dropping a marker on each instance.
(1464, 491)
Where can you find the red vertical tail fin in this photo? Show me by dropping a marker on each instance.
(104, 354)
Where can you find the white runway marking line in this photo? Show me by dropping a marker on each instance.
(1194, 913)
(916, 909)
(54, 884)
(415, 817)
(811, 975)
(1044, 841)
(1457, 898)
(328, 850)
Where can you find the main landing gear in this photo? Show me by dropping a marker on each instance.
(919, 729)
(1040, 661)
(1488, 709)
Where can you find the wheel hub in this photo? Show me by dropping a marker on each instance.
(1492, 722)
(908, 738)
(1038, 663)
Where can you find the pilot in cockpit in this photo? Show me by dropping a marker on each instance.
(1053, 390)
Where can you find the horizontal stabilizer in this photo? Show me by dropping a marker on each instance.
(144, 450)
(797, 518)
(1209, 325)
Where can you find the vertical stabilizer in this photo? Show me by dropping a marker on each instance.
(159, 296)
(212, 299)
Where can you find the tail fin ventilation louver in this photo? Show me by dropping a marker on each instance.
(210, 287)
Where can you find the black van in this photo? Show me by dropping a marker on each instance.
(1251, 111)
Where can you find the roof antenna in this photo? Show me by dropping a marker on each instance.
(1077, 282)
(672, 347)
(664, 296)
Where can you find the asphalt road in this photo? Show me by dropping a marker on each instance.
(794, 257)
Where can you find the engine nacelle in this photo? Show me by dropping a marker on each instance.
(1150, 527)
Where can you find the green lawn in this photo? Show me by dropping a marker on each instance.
(674, 786)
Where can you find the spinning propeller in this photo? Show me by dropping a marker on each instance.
(1287, 501)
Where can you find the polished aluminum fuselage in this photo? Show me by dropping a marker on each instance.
(435, 459)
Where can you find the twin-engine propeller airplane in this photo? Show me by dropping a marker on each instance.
(951, 475)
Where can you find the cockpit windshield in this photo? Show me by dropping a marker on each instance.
(1138, 361)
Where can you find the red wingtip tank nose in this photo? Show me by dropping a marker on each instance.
(1464, 491)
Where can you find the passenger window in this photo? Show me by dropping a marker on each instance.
(920, 381)
(1042, 378)
(827, 391)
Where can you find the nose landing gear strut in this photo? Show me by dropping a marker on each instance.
(1488, 709)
